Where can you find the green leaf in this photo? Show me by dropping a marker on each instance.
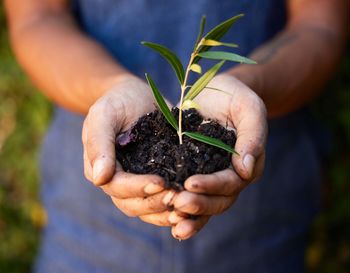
(217, 43)
(217, 33)
(217, 89)
(188, 104)
(201, 30)
(201, 83)
(172, 59)
(211, 141)
(220, 30)
(196, 68)
(227, 56)
(161, 103)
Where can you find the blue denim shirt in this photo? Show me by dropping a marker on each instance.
(264, 231)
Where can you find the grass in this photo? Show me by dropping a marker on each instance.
(24, 117)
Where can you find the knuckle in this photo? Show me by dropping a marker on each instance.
(229, 187)
(154, 205)
(259, 147)
(129, 211)
(94, 109)
(120, 204)
(92, 148)
(161, 221)
(225, 205)
(155, 220)
(196, 207)
(91, 141)
(130, 214)
(257, 100)
(257, 104)
(228, 183)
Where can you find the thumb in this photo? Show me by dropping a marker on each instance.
(99, 134)
(251, 129)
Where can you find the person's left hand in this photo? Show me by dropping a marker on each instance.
(207, 195)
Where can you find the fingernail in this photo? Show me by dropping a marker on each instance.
(168, 198)
(99, 165)
(176, 236)
(152, 188)
(249, 162)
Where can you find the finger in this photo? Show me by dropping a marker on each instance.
(251, 127)
(99, 133)
(159, 219)
(133, 207)
(175, 217)
(225, 182)
(128, 185)
(241, 108)
(87, 167)
(259, 167)
(168, 199)
(166, 218)
(199, 204)
(188, 228)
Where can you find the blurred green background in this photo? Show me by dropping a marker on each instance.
(25, 115)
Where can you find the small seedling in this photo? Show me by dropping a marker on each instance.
(189, 92)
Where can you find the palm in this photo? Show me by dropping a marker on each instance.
(238, 107)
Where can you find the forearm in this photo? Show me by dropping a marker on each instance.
(294, 66)
(67, 66)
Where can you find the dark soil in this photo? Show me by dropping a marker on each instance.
(152, 147)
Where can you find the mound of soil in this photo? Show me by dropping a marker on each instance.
(152, 147)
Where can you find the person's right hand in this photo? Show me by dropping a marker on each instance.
(113, 113)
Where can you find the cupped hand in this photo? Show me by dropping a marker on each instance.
(115, 112)
(206, 195)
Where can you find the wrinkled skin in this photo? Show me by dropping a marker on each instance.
(144, 196)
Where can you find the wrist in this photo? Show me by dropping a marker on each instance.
(250, 76)
(109, 83)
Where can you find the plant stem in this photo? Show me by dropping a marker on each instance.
(183, 88)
